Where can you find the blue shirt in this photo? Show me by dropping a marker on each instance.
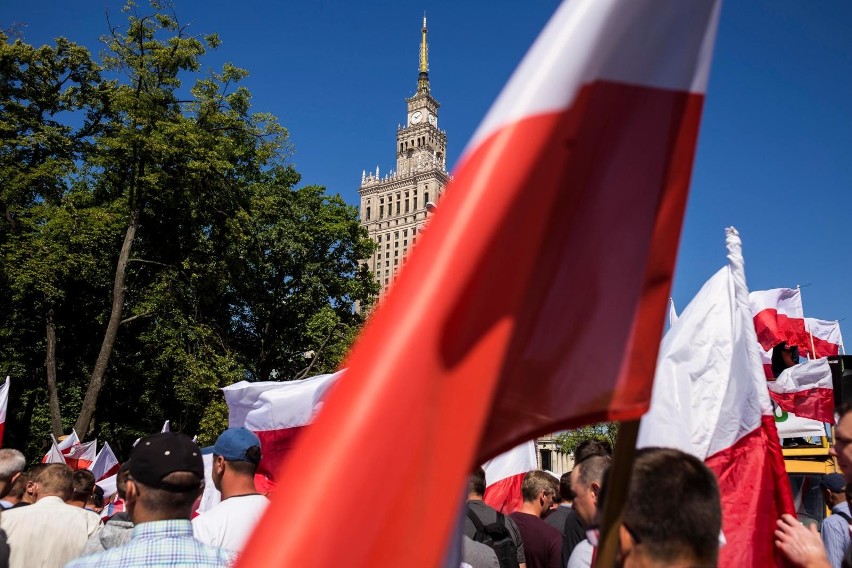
(158, 544)
(835, 534)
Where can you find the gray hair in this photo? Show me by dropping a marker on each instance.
(11, 462)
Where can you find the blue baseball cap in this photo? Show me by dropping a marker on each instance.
(834, 482)
(234, 444)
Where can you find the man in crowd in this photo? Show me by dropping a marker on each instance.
(29, 497)
(12, 464)
(835, 529)
(165, 477)
(236, 455)
(83, 485)
(49, 532)
(673, 513)
(487, 515)
(542, 542)
(118, 528)
(586, 481)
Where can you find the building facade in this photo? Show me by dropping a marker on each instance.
(395, 206)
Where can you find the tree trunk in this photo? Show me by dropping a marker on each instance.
(96, 382)
(50, 366)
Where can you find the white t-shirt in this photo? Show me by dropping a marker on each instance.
(581, 557)
(229, 524)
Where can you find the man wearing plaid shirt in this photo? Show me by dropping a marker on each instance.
(165, 478)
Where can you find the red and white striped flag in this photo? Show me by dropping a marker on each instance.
(4, 403)
(277, 411)
(778, 316)
(54, 455)
(63, 446)
(710, 400)
(504, 476)
(105, 463)
(469, 355)
(806, 390)
(81, 456)
(827, 340)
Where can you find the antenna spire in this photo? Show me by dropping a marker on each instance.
(423, 80)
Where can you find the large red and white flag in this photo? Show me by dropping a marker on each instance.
(710, 400)
(63, 446)
(54, 455)
(81, 456)
(471, 354)
(277, 411)
(4, 403)
(806, 390)
(504, 475)
(778, 316)
(105, 463)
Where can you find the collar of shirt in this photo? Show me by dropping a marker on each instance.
(843, 507)
(163, 529)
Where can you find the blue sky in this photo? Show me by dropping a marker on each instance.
(774, 153)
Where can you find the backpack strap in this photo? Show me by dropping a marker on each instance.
(477, 522)
(844, 515)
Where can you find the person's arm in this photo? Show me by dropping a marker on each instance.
(800, 545)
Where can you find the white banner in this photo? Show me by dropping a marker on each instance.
(791, 426)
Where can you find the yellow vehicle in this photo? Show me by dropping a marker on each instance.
(806, 465)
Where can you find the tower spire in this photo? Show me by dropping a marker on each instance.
(423, 79)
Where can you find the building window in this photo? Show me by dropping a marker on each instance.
(368, 211)
(426, 197)
(546, 460)
(397, 207)
(387, 264)
(381, 211)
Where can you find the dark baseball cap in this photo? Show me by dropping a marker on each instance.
(234, 444)
(834, 482)
(159, 455)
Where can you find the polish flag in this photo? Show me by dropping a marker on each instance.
(105, 463)
(504, 476)
(778, 316)
(81, 456)
(277, 411)
(62, 447)
(806, 390)
(4, 403)
(710, 400)
(579, 175)
(826, 337)
(54, 455)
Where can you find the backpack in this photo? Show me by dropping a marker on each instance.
(496, 535)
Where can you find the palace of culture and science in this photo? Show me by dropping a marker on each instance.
(394, 206)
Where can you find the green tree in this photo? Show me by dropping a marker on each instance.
(604, 431)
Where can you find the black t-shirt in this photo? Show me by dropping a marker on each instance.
(566, 521)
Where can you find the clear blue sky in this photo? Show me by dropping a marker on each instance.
(773, 158)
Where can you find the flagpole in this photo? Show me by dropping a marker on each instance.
(807, 326)
(617, 485)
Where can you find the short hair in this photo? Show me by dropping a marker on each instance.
(83, 482)
(565, 487)
(591, 447)
(56, 479)
(97, 497)
(11, 462)
(476, 481)
(592, 470)
(172, 504)
(842, 411)
(536, 481)
(249, 466)
(18, 488)
(673, 506)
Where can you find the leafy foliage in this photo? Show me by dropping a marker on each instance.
(604, 431)
(155, 240)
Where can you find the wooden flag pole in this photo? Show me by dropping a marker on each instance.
(618, 482)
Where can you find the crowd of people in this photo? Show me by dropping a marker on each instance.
(51, 516)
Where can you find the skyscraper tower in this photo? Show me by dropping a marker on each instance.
(393, 206)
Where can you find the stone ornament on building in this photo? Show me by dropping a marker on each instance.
(393, 206)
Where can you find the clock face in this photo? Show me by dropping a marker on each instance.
(433, 120)
(416, 117)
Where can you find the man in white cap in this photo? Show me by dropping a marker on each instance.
(228, 525)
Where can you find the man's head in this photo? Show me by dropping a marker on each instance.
(833, 488)
(121, 480)
(32, 474)
(842, 448)
(591, 447)
(12, 463)
(586, 481)
(673, 513)
(565, 491)
(166, 475)
(476, 484)
(538, 489)
(236, 453)
(83, 483)
(55, 480)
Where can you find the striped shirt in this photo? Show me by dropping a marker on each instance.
(158, 544)
(835, 534)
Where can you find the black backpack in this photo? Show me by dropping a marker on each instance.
(497, 536)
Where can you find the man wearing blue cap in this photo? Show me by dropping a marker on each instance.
(228, 525)
(835, 529)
